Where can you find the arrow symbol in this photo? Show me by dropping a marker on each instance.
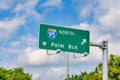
(83, 41)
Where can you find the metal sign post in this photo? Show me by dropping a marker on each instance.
(105, 60)
(67, 65)
(104, 47)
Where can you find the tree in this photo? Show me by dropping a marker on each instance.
(14, 74)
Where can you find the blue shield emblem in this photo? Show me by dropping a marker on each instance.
(52, 33)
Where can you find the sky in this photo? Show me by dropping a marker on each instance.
(19, 28)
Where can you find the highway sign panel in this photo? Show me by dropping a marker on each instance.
(66, 39)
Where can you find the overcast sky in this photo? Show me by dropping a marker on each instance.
(19, 31)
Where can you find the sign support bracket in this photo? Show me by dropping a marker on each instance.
(82, 55)
(57, 52)
(104, 46)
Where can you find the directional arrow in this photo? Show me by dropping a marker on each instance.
(83, 41)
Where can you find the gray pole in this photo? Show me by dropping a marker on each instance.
(104, 47)
(105, 60)
(67, 66)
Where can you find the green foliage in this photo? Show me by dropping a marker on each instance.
(14, 74)
(114, 67)
(113, 71)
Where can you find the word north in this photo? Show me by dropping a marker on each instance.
(66, 32)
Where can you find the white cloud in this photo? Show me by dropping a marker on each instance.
(36, 76)
(6, 4)
(84, 8)
(35, 57)
(28, 40)
(4, 50)
(11, 24)
(19, 45)
(27, 9)
(24, 41)
(52, 73)
(15, 44)
(53, 3)
(9, 27)
(24, 13)
(111, 20)
(85, 12)
(114, 48)
(58, 72)
(9, 4)
(108, 15)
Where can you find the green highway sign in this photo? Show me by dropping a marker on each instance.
(66, 39)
